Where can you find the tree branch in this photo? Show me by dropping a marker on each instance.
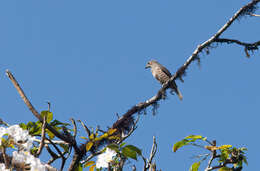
(67, 139)
(42, 138)
(148, 162)
(246, 10)
(32, 109)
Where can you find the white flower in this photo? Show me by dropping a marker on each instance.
(35, 163)
(104, 158)
(2, 167)
(20, 135)
(2, 132)
(26, 157)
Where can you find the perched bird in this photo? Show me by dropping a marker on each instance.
(162, 74)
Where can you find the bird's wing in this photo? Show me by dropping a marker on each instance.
(166, 71)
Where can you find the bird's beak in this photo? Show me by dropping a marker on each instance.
(147, 66)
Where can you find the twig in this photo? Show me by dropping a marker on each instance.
(49, 106)
(74, 127)
(133, 128)
(5, 157)
(53, 155)
(78, 154)
(60, 154)
(255, 15)
(213, 156)
(148, 162)
(85, 127)
(91, 156)
(249, 46)
(55, 142)
(32, 109)
(153, 151)
(42, 138)
(3, 122)
(219, 166)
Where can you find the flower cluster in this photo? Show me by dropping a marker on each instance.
(104, 158)
(18, 135)
(2, 167)
(24, 141)
(26, 157)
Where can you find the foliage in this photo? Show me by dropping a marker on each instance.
(224, 153)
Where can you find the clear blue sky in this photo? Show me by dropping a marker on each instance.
(88, 57)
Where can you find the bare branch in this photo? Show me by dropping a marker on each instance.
(5, 157)
(49, 106)
(133, 128)
(255, 15)
(92, 156)
(85, 127)
(42, 137)
(53, 154)
(74, 128)
(148, 163)
(67, 139)
(32, 109)
(61, 155)
(3, 122)
(47, 142)
(153, 151)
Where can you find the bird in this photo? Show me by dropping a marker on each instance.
(162, 74)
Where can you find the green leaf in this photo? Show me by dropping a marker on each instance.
(122, 144)
(225, 146)
(225, 169)
(48, 115)
(179, 144)
(134, 148)
(243, 149)
(105, 135)
(34, 150)
(50, 134)
(111, 131)
(114, 138)
(245, 160)
(128, 152)
(84, 138)
(89, 163)
(89, 145)
(23, 126)
(195, 166)
(57, 123)
(113, 147)
(65, 147)
(79, 167)
(92, 136)
(224, 155)
(194, 137)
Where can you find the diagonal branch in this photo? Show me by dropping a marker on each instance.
(245, 10)
(32, 109)
(78, 154)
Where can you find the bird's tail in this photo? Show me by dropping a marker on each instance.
(176, 90)
(179, 93)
